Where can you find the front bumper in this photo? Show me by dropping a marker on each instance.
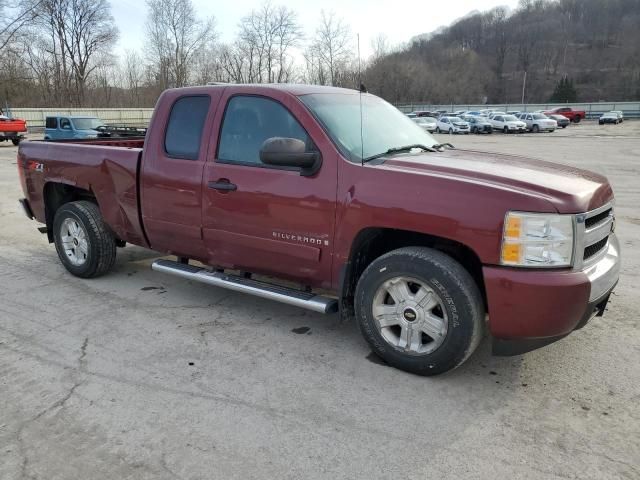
(529, 309)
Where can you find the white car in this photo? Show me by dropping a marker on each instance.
(427, 123)
(507, 124)
(452, 125)
(538, 122)
(495, 113)
(620, 114)
(609, 117)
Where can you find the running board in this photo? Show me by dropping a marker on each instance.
(290, 296)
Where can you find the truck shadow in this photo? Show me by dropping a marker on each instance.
(323, 336)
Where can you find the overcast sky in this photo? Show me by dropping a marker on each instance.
(398, 19)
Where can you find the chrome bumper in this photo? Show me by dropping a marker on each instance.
(604, 274)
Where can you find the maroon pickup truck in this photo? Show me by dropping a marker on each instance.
(423, 245)
(573, 115)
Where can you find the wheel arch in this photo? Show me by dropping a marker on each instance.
(373, 242)
(56, 194)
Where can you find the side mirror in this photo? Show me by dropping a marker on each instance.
(289, 152)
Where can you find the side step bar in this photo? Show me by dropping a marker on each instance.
(290, 296)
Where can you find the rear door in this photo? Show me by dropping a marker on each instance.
(174, 156)
(262, 218)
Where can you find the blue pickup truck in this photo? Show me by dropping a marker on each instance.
(65, 127)
(71, 127)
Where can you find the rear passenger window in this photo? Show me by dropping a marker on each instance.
(248, 122)
(184, 130)
(52, 122)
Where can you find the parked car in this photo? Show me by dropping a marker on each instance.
(573, 115)
(425, 113)
(411, 115)
(508, 124)
(12, 129)
(478, 124)
(538, 122)
(459, 113)
(561, 120)
(475, 113)
(416, 243)
(495, 113)
(609, 117)
(452, 125)
(514, 112)
(65, 127)
(620, 114)
(427, 123)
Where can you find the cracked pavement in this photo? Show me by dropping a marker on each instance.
(139, 375)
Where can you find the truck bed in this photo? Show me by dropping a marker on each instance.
(108, 168)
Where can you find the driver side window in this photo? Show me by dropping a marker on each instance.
(248, 122)
(65, 124)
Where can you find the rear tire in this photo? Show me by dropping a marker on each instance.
(505, 130)
(15, 141)
(430, 292)
(437, 129)
(85, 245)
(576, 119)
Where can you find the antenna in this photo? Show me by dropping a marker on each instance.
(360, 90)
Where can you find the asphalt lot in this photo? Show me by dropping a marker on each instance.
(139, 375)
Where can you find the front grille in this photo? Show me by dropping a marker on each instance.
(596, 219)
(593, 249)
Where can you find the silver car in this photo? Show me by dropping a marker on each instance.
(538, 122)
(427, 123)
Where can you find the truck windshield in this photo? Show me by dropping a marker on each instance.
(384, 127)
(87, 123)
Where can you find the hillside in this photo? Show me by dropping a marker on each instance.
(483, 56)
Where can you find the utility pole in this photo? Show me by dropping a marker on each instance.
(524, 85)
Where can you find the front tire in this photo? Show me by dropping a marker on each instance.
(419, 310)
(15, 141)
(451, 131)
(535, 129)
(85, 245)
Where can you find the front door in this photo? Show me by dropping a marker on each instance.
(174, 156)
(264, 219)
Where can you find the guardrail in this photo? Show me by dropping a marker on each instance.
(121, 116)
(593, 110)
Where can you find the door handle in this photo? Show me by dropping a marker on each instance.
(223, 185)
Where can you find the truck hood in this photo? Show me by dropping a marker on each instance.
(568, 189)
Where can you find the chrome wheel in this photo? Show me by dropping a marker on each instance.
(410, 315)
(74, 241)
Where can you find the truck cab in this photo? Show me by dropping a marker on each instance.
(67, 127)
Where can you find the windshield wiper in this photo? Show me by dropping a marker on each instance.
(406, 148)
(440, 146)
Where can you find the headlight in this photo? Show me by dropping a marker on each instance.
(537, 240)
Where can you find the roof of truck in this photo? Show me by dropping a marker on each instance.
(292, 88)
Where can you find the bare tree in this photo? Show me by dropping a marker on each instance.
(267, 36)
(68, 37)
(21, 14)
(380, 46)
(133, 76)
(174, 35)
(331, 46)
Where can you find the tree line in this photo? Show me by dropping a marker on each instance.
(61, 53)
